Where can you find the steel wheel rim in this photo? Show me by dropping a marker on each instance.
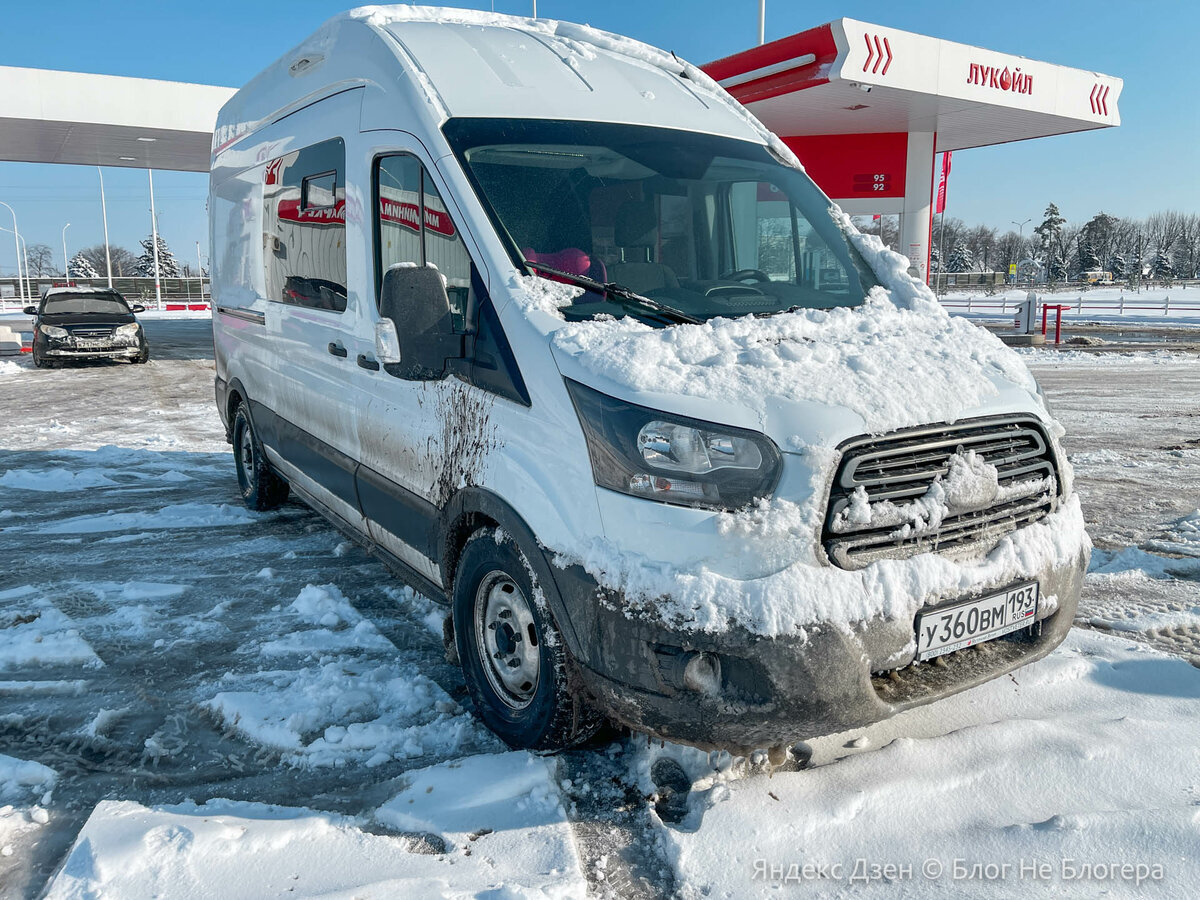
(506, 640)
(246, 452)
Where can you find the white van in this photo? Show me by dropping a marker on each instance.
(546, 320)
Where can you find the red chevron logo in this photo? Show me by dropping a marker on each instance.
(880, 53)
(1099, 99)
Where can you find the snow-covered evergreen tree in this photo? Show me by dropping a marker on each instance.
(1056, 267)
(81, 267)
(1161, 265)
(168, 266)
(1089, 259)
(1049, 235)
(961, 259)
(1119, 267)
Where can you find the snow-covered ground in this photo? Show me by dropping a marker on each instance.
(196, 700)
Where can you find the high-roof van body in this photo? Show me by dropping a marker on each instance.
(545, 319)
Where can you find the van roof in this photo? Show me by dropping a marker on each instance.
(468, 63)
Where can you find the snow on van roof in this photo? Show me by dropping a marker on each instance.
(422, 65)
(575, 46)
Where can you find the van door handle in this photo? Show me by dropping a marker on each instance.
(367, 362)
(337, 350)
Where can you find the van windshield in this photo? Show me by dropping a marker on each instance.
(699, 225)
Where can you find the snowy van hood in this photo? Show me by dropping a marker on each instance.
(812, 377)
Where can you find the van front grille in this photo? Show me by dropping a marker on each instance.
(894, 474)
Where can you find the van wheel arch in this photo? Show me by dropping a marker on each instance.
(473, 508)
(235, 395)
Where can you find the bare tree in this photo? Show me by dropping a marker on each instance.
(1187, 248)
(41, 260)
(982, 242)
(122, 260)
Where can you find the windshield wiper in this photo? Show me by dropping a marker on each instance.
(611, 289)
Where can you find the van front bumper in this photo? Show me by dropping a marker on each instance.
(775, 690)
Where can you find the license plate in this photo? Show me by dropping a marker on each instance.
(90, 343)
(945, 630)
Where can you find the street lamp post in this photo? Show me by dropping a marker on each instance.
(16, 248)
(1020, 238)
(104, 215)
(66, 259)
(200, 269)
(27, 290)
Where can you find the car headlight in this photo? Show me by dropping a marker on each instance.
(53, 331)
(130, 330)
(648, 453)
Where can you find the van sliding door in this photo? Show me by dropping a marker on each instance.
(313, 429)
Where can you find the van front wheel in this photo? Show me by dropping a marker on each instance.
(260, 487)
(514, 661)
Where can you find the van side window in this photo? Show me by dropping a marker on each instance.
(415, 228)
(304, 250)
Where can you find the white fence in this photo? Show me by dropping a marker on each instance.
(174, 291)
(1184, 304)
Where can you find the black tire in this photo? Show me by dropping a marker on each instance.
(144, 356)
(260, 487)
(41, 362)
(545, 712)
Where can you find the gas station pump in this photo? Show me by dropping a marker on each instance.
(1026, 317)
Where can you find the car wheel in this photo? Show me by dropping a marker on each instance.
(41, 362)
(517, 668)
(144, 356)
(261, 488)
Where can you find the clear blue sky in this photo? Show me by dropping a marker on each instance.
(1147, 164)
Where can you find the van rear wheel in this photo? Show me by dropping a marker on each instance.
(260, 487)
(514, 661)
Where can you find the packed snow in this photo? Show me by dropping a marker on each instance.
(1087, 758)
(26, 787)
(22, 778)
(38, 633)
(489, 826)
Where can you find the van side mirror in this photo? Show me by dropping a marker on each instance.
(30, 310)
(414, 299)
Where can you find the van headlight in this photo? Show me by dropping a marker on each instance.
(648, 453)
(127, 331)
(53, 331)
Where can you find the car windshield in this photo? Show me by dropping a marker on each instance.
(701, 225)
(85, 303)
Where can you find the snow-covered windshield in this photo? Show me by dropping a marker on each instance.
(59, 304)
(705, 226)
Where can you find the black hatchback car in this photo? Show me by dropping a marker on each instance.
(83, 323)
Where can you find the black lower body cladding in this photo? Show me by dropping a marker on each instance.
(775, 690)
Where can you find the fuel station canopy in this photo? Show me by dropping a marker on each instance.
(866, 108)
